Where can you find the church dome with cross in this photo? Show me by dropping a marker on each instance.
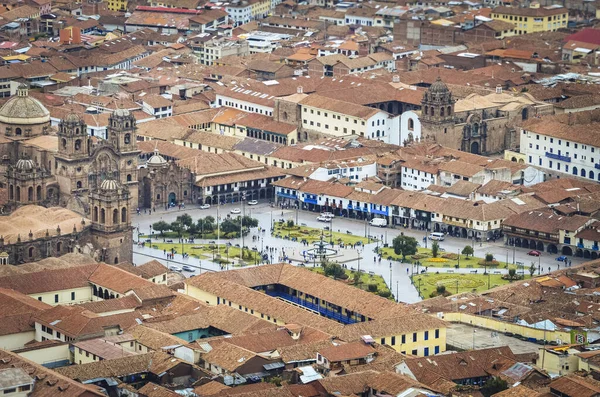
(24, 116)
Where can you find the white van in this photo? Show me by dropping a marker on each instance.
(380, 222)
(436, 236)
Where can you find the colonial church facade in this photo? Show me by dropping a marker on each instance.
(479, 124)
(98, 180)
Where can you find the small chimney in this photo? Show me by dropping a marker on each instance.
(498, 89)
(300, 90)
(395, 78)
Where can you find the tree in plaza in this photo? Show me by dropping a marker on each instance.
(512, 274)
(185, 220)
(334, 270)
(193, 229)
(493, 386)
(161, 227)
(290, 224)
(177, 227)
(532, 269)
(489, 257)
(229, 226)
(206, 225)
(435, 249)
(468, 250)
(250, 222)
(405, 245)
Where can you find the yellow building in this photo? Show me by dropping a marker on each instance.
(260, 8)
(533, 19)
(117, 5)
(285, 294)
(559, 360)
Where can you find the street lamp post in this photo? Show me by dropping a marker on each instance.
(390, 275)
(458, 257)
(397, 291)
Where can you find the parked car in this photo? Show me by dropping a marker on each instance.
(322, 218)
(328, 214)
(561, 258)
(205, 206)
(188, 268)
(236, 211)
(175, 268)
(534, 253)
(252, 202)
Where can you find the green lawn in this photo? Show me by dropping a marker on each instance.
(173, 236)
(466, 282)
(426, 259)
(204, 251)
(312, 234)
(365, 280)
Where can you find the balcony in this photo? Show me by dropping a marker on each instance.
(311, 201)
(597, 166)
(558, 157)
(287, 195)
(334, 315)
(380, 212)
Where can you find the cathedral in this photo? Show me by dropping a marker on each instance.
(95, 182)
(479, 124)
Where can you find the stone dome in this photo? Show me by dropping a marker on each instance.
(156, 159)
(438, 87)
(23, 109)
(109, 184)
(25, 165)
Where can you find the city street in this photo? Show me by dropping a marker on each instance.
(397, 275)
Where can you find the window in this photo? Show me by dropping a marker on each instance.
(437, 333)
(426, 335)
(414, 352)
(426, 351)
(414, 336)
(436, 350)
(403, 339)
(383, 341)
(56, 298)
(73, 295)
(393, 341)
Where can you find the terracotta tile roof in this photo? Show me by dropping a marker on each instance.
(347, 351)
(463, 188)
(338, 106)
(221, 317)
(546, 221)
(266, 123)
(47, 383)
(574, 385)
(228, 356)
(152, 268)
(518, 391)
(17, 310)
(167, 149)
(210, 388)
(581, 127)
(129, 303)
(103, 349)
(155, 363)
(47, 281)
(153, 390)
(76, 322)
(122, 282)
(206, 164)
(154, 339)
